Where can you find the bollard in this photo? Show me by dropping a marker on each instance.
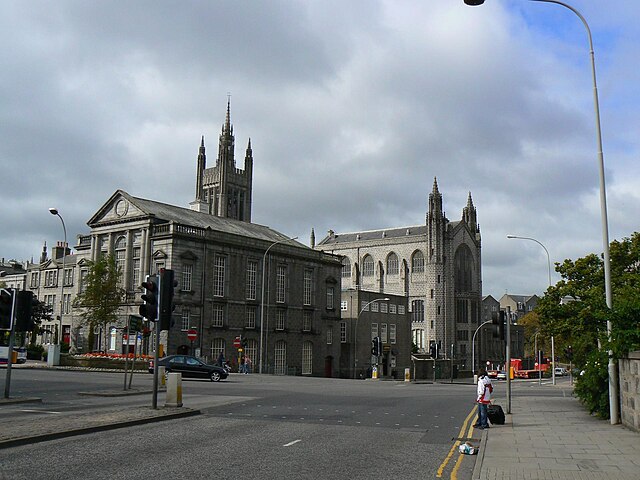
(374, 372)
(407, 374)
(162, 376)
(174, 390)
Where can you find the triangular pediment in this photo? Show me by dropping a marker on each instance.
(189, 255)
(120, 207)
(159, 255)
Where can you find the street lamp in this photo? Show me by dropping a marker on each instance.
(473, 348)
(355, 332)
(614, 412)
(264, 261)
(54, 211)
(553, 353)
(545, 249)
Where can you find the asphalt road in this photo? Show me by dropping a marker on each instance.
(251, 427)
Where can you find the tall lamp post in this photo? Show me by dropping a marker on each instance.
(473, 348)
(54, 211)
(355, 332)
(553, 353)
(264, 262)
(614, 411)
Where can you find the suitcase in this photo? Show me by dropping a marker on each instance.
(495, 414)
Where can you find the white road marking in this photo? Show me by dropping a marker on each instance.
(40, 411)
(291, 443)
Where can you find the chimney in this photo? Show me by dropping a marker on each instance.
(59, 250)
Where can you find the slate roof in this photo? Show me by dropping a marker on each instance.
(396, 232)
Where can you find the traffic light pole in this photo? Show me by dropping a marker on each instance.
(12, 336)
(508, 357)
(154, 400)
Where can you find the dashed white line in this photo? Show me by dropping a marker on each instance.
(291, 443)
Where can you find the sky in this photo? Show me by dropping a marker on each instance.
(352, 108)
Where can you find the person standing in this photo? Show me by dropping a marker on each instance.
(484, 390)
(247, 364)
(221, 359)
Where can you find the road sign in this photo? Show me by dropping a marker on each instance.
(192, 334)
(237, 342)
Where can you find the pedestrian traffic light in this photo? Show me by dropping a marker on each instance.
(25, 301)
(167, 284)
(149, 309)
(6, 308)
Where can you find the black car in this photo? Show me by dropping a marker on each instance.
(191, 367)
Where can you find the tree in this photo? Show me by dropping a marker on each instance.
(575, 312)
(102, 295)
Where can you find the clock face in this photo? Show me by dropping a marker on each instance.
(121, 208)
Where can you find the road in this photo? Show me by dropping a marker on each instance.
(251, 427)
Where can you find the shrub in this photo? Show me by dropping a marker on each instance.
(592, 385)
(34, 352)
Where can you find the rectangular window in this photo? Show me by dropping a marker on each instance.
(384, 308)
(432, 292)
(438, 310)
(217, 319)
(383, 333)
(281, 282)
(329, 335)
(219, 265)
(344, 305)
(83, 280)
(374, 330)
(68, 276)
(251, 279)
(308, 279)
(185, 320)
(392, 333)
(135, 270)
(250, 317)
(330, 291)
(280, 319)
(35, 278)
(187, 275)
(375, 307)
(51, 278)
(343, 332)
(66, 303)
(158, 267)
(401, 310)
(364, 306)
(463, 335)
(393, 308)
(306, 321)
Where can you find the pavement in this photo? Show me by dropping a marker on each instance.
(554, 437)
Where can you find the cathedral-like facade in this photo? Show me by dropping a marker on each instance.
(436, 264)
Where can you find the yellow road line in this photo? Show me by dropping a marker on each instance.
(455, 444)
(456, 467)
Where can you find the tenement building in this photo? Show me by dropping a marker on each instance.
(437, 265)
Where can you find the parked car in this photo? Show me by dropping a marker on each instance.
(561, 372)
(501, 375)
(191, 367)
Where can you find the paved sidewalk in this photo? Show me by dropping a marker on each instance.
(554, 437)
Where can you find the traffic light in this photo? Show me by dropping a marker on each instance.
(495, 322)
(244, 342)
(167, 284)
(569, 353)
(6, 307)
(25, 302)
(149, 309)
(433, 349)
(501, 325)
(375, 346)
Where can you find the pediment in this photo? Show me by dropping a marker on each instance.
(120, 207)
(189, 255)
(159, 255)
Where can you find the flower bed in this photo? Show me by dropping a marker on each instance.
(104, 360)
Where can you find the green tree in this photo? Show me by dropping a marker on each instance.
(575, 312)
(102, 295)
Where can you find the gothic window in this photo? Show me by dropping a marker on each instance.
(392, 264)
(417, 262)
(346, 267)
(367, 266)
(417, 311)
(463, 264)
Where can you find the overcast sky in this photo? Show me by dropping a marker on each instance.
(352, 107)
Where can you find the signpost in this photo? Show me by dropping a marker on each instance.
(237, 342)
(192, 335)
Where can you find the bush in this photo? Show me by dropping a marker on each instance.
(34, 352)
(592, 385)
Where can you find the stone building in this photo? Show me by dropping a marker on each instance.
(437, 265)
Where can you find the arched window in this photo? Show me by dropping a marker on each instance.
(463, 264)
(367, 266)
(392, 264)
(417, 262)
(417, 311)
(280, 361)
(307, 358)
(346, 267)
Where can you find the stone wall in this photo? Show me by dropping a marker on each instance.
(630, 390)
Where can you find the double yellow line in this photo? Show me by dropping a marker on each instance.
(456, 444)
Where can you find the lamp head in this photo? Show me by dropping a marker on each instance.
(511, 236)
(474, 3)
(53, 211)
(386, 299)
